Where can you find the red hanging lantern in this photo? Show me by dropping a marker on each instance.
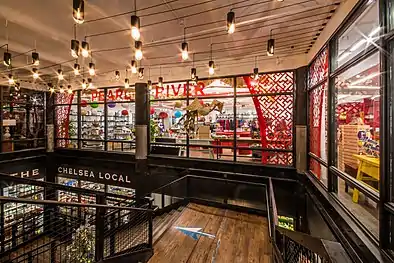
(163, 115)
(152, 111)
(125, 112)
(84, 103)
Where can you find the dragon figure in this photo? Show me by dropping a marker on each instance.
(195, 109)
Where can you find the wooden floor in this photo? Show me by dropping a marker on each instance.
(243, 238)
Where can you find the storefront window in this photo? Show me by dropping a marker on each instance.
(360, 35)
(121, 119)
(92, 125)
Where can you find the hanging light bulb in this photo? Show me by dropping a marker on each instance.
(51, 89)
(77, 67)
(230, 22)
(61, 89)
(185, 51)
(79, 11)
(74, 48)
(83, 84)
(35, 58)
(7, 59)
(85, 49)
(35, 73)
(11, 80)
(160, 84)
(126, 83)
(255, 73)
(133, 66)
(69, 90)
(141, 73)
(135, 27)
(60, 74)
(149, 84)
(92, 70)
(270, 45)
(211, 65)
(17, 88)
(193, 73)
(90, 86)
(117, 75)
(138, 50)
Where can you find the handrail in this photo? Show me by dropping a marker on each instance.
(170, 183)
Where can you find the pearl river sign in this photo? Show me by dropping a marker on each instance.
(97, 177)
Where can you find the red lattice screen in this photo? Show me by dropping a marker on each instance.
(318, 71)
(62, 114)
(275, 114)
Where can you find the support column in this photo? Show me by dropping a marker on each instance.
(141, 132)
(301, 153)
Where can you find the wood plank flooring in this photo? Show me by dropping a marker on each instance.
(243, 238)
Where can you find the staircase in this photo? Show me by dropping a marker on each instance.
(164, 221)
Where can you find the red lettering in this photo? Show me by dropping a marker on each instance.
(176, 92)
(101, 96)
(127, 95)
(119, 94)
(94, 95)
(110, 96)
(199, 89)
(159, 91)
(185, 87)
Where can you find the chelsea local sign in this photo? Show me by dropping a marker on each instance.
(99, 177)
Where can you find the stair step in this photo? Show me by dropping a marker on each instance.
(163, 222)
(169, 222)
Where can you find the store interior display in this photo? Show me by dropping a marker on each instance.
(286, 222)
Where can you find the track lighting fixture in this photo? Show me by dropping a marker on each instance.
(69, 89)
(126, 83)
(185, 51)
(133, 66)
(211, 69)
(160, 83)
(83, 84)
(92, 70)
(77, 67)
(35, 73)
(193, 73)
(61, 89)
(35, 58)
(11, 80)
(141, 73)
(85, 49)
(60, 74)
(74, 48)
(7, 59)
(270, 45)
(149, 84)
(135, 27)
(79, 11)
(138, 50)
(117, 75)
(230, 22)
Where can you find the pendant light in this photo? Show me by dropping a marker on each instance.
(270, 45)
(83, 84)
(92, 70)
(255, 75)
(185, 46)
(35, 73)
(149, 84)
(11, 80)
(51, 88)
(193, 73)
(85, 49)
(117, 75)
(141, 73)
(133, 66)
(211, 65)
(135, 24)
(126, 83)
(35, 58)
(7, 58)
(61, 89)
(90, 84)
(79, 11)
(69, 89)
(77, 67)
(138, 50)
(160, 83)
(75, 45)
(60, 74)
(230, 22)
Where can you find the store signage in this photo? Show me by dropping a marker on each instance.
(113, 95)
(27, 174)
(101, 177)
(173, 90)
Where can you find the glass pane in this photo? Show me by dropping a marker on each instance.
(66, 98)
(318, 121)
(116, 95)
(318, 71)
(172, 90)
(66, 123)
(318, 170)
(358, 120)
(121, 119)
(266, 83)
(256, 155)
(359, 36)
(92, 125)
(207, 152)
(364, 209)
(223, 87)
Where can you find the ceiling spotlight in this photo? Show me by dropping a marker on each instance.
(141, 73)
(270, 45)
(255, 73)
(69, 90)
(160, 84)
(126, 83)
(11, 80)
(133, 66)
(83, 84)
(135, 27)
(35, 73)
(185, 49)
(138, 50)
(117, 75)
(74, 48)
(61, 89)
(149, 84)
(79, 11)
(230, 22)
(77, 67)
(7, 59)
(85, 49)
(92, 70)
(35, 58)
(193, 73)
(60, 74)
(211, 65)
